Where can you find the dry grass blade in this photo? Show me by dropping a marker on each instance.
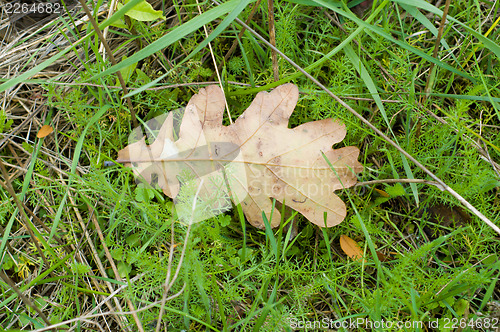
(115, 269)
(430, 77)
(113, 61)
(240, 34)
(27, 223)
(26, 300)
(272, 39)
(121, 321)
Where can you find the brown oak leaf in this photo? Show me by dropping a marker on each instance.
(250, 162)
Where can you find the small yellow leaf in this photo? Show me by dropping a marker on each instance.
(351, 248)
(44, 131)
(382, 193)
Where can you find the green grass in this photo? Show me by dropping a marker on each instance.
(427, 258)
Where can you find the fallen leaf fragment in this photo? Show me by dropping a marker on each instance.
(44, 131)
(382, 193)
(383, 258)
(362, 7)
(250, 162)
(351, 248)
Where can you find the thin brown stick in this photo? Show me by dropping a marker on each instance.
(272, 39)
(23, 168)
(29, 230)
(240, 34)
(113, 266)
(23, 298)
(170, 86)
(367, 183)
(428, 84)
(122, 322)
(376, 130)
(112, 59)
(27, 224)
(173, 86)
